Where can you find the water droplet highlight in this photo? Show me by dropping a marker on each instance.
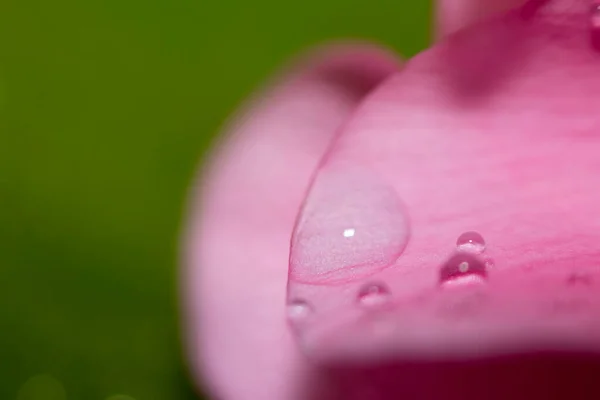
(471, 242)
(298, 310)
(463, 268)
(373, 295)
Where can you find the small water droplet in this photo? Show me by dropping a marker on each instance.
(373, 294)
(298, 310)
(463, 268)
(471, 242)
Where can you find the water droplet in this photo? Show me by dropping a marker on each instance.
(298, 310)
(471, 242)
(373, 294)
(352, 225)
(463, 268)
(42, 387)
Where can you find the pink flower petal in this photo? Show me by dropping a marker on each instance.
(453, 15)
(494, 130)
(243, 214)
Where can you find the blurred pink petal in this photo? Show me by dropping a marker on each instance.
(453, 15)
(493, 130)
(244, 214)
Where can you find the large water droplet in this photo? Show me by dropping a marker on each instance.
(471, 242)
(373, 295)
(298, 310)
(463, 268)
(352, 225)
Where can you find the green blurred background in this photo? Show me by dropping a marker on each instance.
(106, 108)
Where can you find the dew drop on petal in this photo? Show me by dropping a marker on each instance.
(351, 225)
(461, 269)
(471, 242)
(298, 310)
(373, 294)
